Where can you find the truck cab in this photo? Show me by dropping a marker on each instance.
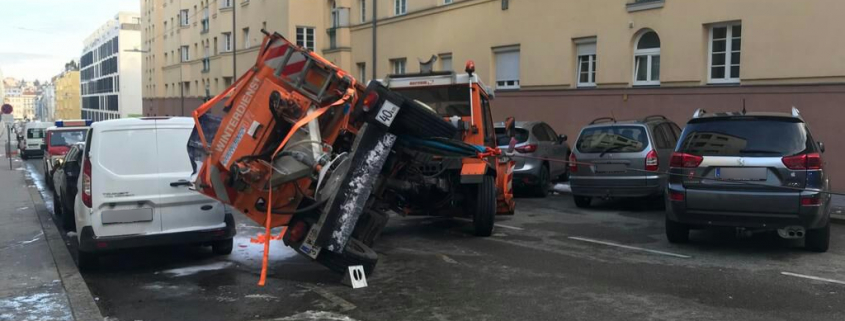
(58, 140)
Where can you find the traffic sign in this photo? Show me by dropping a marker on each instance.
(7, 109)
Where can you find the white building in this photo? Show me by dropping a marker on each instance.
(46, 103)
(2, 89)
(110, 69)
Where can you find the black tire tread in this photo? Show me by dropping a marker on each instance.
(582, 201)
(484, 214)
(222, 247)
(677, 232)
(818, 240)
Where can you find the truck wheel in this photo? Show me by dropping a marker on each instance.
(485, 207)
(222, 247)
(419, 121)
(355, 253)
(818, 240)
(582, 201)
(676, 232)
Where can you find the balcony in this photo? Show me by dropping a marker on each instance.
(339, 39)
(640, 5)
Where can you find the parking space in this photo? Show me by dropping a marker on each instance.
(550, 261)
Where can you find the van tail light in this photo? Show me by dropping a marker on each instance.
(683, 160)
(573, 163)
(86, 183)
(370, 101)
(811, 200)
(676, 196)
(297, 232)
(803, 162)
(652, 164)
(530, 148)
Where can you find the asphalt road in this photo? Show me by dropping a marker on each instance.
(550, 261)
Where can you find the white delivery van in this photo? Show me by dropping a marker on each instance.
(134, 191)
(33, 138)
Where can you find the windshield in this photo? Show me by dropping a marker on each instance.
(612, 138)
(35, 133)
(745, 137)
(447, 101)
(67, 137)
(502, 138)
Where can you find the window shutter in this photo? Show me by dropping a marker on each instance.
(587, 49)
(507, 65)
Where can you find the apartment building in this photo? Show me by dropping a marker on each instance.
(45, 103)
(194, 49)
(67, 95)
(23, 104)
(110, 70)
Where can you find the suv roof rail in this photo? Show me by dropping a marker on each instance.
(795, 112)
(698, 113)
(603, 120)
(647, 118)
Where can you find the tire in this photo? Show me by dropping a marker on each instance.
(818, 240)
(355, 253)
(86, 261)
(582, 201)
(484, 213)
(222, 247)
(543, 181)
(418, 121)
(57, 205)
(676, 232)
(68, 218)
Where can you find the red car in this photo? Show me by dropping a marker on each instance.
(57, 142)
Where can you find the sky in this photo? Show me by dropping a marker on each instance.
(37, 37)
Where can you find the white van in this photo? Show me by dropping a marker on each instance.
(33, 138)
(134, 191)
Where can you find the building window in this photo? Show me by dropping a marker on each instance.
(725, 48)
(226, 3)
(647, 60)
(246, 38)
(183, 17)
(447, 1)
(362, 72)
(400, 7)
(185, 56)
(227, 42)
(363, 4)
(398, 66)
(507, 68)
(335, 15)
(446, 62)
(305, 37)
(586, 63)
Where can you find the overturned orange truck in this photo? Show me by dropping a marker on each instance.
(300, 143)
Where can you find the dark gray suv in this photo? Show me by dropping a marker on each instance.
(622, 158)
(759, 171)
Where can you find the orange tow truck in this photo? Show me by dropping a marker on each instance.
(300, 143)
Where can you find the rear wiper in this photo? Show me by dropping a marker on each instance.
(759, 151)
(610, 149)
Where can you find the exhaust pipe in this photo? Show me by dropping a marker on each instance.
(792, 232)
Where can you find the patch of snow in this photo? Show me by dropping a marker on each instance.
(197, 269)
(71, 234)
(226, 299)
(261, 296)
(317, 316)
(251, 254)
(39, 306)
(22, 208)
(34, 239)
(562, 188)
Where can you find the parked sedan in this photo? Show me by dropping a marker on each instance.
(64, 179)
(537, 146)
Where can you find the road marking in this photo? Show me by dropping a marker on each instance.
(497, 225)
(340, 302)
(629, 247)
(813, 278)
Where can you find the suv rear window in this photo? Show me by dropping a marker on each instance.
(502, 138)
(745, 137)
(35, 133)
(612, 139)
(447, 101)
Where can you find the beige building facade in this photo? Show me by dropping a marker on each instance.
(67, 95)
(23, 105)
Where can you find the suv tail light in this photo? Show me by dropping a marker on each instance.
(802, 162)
(651, 162)
(683, 160)
(676, 196)
(527, 148)
(298, 231)
(811, 200)
(86, 183)
(370, 101)
(573, 164)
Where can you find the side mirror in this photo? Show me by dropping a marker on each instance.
(821, 147)
(510, 127)
(58, 162)
(562, 138)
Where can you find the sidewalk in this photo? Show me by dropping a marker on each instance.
(39, 279)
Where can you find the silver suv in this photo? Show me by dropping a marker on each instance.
(757, 171)
(622, 158)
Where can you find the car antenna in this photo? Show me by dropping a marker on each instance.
(743, 106)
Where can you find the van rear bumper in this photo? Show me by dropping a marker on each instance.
(89, 242)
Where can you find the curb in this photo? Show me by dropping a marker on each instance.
(79, 296)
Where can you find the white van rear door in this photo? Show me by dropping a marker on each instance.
(182, 209)
(125, 180)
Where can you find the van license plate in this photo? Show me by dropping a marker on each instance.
(741, 174)
(387, 113)
(611, 168)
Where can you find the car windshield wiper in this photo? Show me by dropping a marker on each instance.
(610, 149)
(759, 151)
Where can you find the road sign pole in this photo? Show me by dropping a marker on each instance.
(9, 144)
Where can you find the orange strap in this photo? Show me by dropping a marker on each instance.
(302, 122)
(490, 152)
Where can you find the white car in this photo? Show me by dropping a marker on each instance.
(33, 138)
(134, 191)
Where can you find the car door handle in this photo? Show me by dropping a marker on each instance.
(180, 182)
